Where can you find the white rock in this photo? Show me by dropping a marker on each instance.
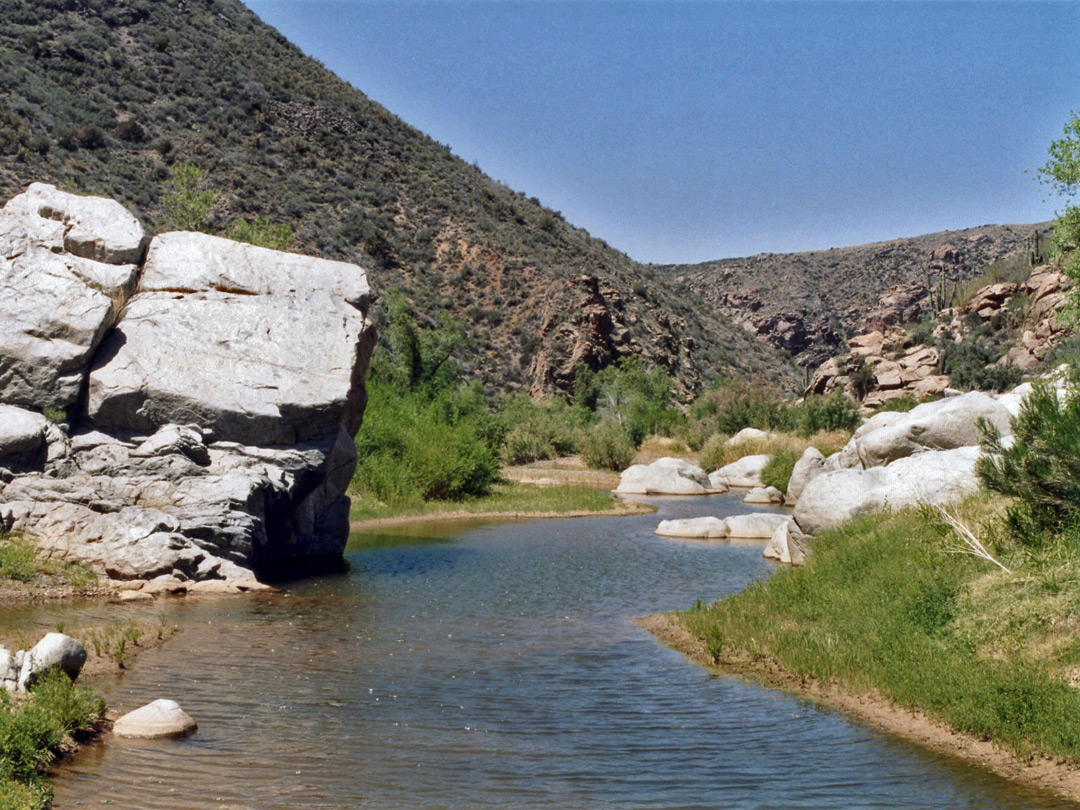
(942, 425)
(73, 274)
(749, 435)
(746, 472)
(162, 718)
(787, 545)
(21, 431)
(755, 526)
(665, 476)
(809, 465)
(93, 227)
(54, 650)
(764, 495)
(935, 477)
(1012, 400)
(707, 528)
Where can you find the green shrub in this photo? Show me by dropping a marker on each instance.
(414, 449)
(778, 469)
(714, 452)
(834, 412)
(607, 446)
(901, 404)
(261, 232)
(1041, 468)
(737, 404)
(31, 731)
(537, 430)
(18, 558)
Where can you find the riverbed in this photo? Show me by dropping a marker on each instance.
(490, 665)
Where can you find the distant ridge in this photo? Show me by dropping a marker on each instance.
(808, 303)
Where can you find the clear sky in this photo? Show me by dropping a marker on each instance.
(687, 131)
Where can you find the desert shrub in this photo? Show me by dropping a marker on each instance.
(834, 412)
(1040, 469)
(714, 452)
(261, 232)
(639, 399)
(733, 405)
(536, 430)
(969, 365)
(187, 208)
(415, 448)
(901, 404)
(607, 446)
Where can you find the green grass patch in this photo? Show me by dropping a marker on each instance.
(19, 561)
(881, 607)
(504, 498)
(33, 730)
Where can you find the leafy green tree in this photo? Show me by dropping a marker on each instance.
(1062, 172)
(187, 208)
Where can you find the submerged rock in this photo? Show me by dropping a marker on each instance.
(162, 718)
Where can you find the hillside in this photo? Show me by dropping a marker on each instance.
(109, 96)
(808, 303)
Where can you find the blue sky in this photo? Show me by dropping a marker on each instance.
(688, 131)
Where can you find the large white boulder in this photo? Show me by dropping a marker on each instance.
(258, 346)
(934, 477)
(942, 425)
(705, 528)
(665, 476)
(70, 263)
(746, 472)
(749, 434)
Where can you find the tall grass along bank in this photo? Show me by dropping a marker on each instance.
(889, 608)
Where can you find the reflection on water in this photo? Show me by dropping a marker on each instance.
(484, 665)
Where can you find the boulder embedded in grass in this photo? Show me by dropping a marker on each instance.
(162, 718)
(705, 528)
(787, 545)
(55, 650)
(810, 463)
(746, 472)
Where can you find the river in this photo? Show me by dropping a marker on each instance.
(490, 665)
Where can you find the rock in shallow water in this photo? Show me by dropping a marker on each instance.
(162, 718)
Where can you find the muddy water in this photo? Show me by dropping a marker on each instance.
(491, 666)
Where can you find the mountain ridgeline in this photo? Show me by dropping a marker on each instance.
(110, 97)
(808, 303)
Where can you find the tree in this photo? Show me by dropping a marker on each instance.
(1062, 172)
(186, 207)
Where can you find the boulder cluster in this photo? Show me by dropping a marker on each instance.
(893, 461)
(179, 407)
(21, 670)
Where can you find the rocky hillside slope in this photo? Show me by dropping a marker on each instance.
(808, 303)
(109, 96)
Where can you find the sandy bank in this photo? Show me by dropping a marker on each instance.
(1040, 772)
(626, 508)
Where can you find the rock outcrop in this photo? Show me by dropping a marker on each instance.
(223, 384)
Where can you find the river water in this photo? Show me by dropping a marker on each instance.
(471, 665)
